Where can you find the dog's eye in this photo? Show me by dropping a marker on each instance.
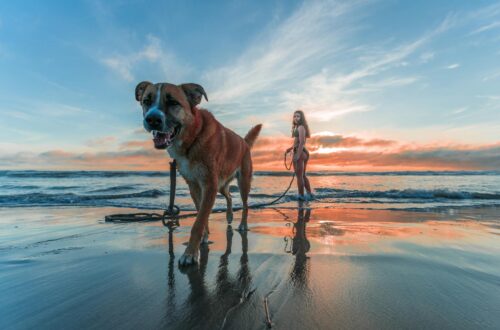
(146, 102)
(172, 103)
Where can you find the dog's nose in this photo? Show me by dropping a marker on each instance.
(153, 121)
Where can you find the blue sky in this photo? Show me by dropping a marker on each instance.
(423, 73)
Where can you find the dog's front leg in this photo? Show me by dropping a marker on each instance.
(195, 191)
(190, 256)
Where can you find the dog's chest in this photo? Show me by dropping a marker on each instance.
(188, 171)
(185, 169)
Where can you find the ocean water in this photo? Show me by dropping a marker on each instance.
(150, 190)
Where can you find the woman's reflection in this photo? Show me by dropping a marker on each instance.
(300, 246)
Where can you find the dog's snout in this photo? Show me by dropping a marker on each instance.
(154, 121)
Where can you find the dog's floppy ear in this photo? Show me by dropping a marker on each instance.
(140, 88)
(194, 92)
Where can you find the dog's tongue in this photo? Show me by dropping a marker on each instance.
(161, 139)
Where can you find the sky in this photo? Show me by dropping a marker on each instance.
(385, 85)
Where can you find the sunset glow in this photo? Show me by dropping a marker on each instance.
(422, 96)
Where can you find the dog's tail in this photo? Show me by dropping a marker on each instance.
(252, 135)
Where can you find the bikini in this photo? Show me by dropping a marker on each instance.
(296, 142)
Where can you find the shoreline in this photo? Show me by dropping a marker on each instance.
(291, 205)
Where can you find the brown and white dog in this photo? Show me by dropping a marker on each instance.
(209, 155)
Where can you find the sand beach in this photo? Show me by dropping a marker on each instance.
(297, 268)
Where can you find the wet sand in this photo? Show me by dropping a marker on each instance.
(314, 269)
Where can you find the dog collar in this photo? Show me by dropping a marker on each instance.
(197, 123)
(196, 128)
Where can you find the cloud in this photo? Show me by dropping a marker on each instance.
(330, 141)
(310, 60)
(136, 144)
(426, 57)
(123, 64)
(120, 65)
(143, 159)
(482, 157)
(328, 152)
(153, 52)
(268, 150)
(288, 50)
(102, 141)
(36, 108)
(405, 158)
(486, 27)
(390, 82)
(338, 152)
(301, 64)
(274, 66)
(492, 76)
(459, 110)
(489, 97)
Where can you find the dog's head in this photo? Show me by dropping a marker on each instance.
(168, 109)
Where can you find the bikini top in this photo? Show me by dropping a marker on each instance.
(296, 132)
(296, 135)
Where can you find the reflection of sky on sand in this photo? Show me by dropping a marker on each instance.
(329, 230)
(339, 231)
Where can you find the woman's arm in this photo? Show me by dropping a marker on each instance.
(291, 148)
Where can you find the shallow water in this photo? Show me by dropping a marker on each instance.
(387, 190)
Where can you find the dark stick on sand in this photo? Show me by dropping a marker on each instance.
(269, 323)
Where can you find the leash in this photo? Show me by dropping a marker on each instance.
(172, 211)
(170, 217)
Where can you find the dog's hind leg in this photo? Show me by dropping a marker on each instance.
(244, 183)
(224, 190)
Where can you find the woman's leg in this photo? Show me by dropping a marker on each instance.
(306, 179)
(299, 173)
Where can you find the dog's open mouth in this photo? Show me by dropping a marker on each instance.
(163, 140)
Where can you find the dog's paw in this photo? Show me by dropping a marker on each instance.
(188, 259)
(243, 227)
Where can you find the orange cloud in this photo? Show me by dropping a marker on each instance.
(352, 153)
(345, 153)
(341, 141)
(136, 144)
(101, 141)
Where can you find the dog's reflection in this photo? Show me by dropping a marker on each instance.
(209, 303)
(241, 283)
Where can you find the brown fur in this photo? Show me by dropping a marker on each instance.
(208, 154)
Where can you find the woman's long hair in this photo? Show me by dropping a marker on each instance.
(302, 122)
